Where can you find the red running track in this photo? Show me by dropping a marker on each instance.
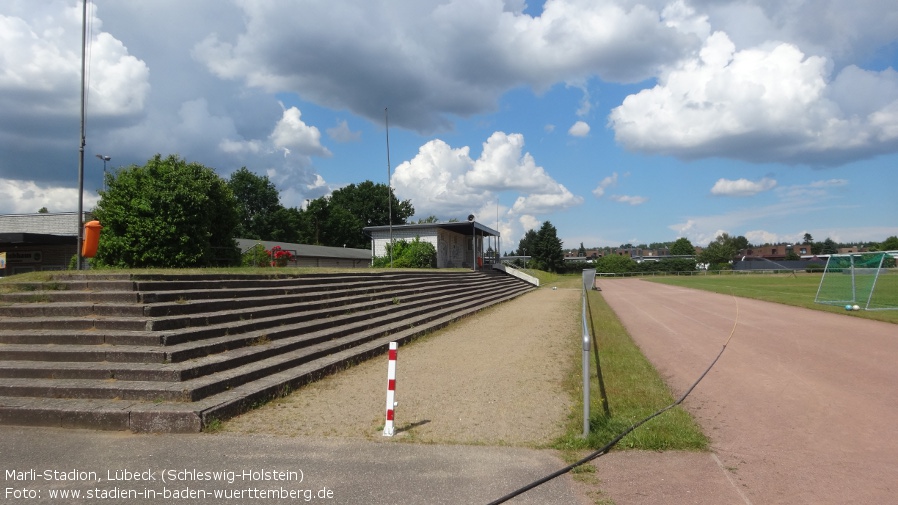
(801, 409)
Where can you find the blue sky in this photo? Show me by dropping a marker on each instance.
(620, 121)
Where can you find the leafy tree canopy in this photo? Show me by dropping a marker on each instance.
(258, 205)
(682, 247)
(338, 220)
(527, 244)
(548, 253)
(722, 250)
(889, 244)
(167, 213)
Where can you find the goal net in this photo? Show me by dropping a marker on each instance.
(868, 280)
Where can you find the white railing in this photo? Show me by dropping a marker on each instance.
(516, 273)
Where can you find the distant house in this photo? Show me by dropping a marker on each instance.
(776, 252)
(457, 244)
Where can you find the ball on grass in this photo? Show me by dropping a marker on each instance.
(849, 307)
(856, 307)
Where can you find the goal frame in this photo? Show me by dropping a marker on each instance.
(863, 299)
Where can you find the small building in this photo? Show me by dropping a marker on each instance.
(457, 244)
(314, 255)
(38, 242)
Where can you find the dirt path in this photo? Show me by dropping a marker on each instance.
(491, 379)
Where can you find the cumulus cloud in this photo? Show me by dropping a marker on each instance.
(767, 103)
(442, 180)
(446, 59)
(579, 129)
(291, 132)
(742, 187)
(26, 197)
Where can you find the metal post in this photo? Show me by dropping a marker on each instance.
(585, 372)
(391, 390)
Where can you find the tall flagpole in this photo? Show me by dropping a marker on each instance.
(82, 142)
(389, 185)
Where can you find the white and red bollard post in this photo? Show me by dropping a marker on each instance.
(391, 391)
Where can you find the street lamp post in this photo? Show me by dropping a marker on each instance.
(105, 159)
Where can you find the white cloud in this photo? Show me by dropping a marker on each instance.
(26, 197)
(767, 103)
(579, 129)
(629, 199)
(606, 183)
(742, 187)
(442, 180)
(763, 237)
(291, 132)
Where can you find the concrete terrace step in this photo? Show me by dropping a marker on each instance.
(184, 346)
(211, 325)
(219, 355)
(195, 380)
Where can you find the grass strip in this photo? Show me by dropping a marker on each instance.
(635, 391)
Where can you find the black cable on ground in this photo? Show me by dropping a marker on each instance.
(607, 447)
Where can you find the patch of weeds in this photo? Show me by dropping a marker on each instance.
(213, 425)
(396, 300)
(260, 340)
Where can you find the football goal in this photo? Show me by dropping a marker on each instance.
(866, 280)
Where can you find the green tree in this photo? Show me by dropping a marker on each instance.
(43, 210)
(527, 244)
(167, 213)
(258, 203)
(720, 252)
(339, 219)
(889, 244)
(682, 247)
(581, 252)
(829, 247)
(808, 239)
(548, 254)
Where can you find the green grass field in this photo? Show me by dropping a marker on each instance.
(798, 290)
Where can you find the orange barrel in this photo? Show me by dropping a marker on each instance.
(91, 239)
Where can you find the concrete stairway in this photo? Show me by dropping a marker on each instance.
(174, 353)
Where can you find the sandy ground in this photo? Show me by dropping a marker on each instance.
(491, 379)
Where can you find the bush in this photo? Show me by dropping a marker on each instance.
(414, 254)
